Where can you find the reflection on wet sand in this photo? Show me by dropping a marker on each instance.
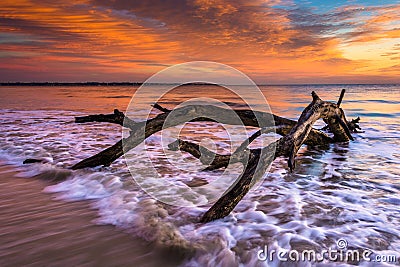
(37, 230)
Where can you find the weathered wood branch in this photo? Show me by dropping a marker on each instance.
(255, 161)
(215, 160)
(329, 112)
(117, 117)
(160, 108)
(249, 118)
(141, 130)
(287, 146)
(341, 97)
(255, 168)
(206, 156)
(354, 126)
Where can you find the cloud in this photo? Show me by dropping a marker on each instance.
(141, 37)
(372, 23)
(240, 28)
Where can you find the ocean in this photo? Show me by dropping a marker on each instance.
(349, 192)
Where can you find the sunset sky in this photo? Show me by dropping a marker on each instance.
(272, 41)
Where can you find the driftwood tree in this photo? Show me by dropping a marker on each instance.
(255, 161)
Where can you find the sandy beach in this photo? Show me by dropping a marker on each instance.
(38, 230)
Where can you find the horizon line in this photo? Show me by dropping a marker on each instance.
(93, 83)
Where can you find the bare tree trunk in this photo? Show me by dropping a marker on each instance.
(287, 146)
(256, 161)
(141, 130)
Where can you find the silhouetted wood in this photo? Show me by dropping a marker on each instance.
(160, 108)
(287, 146)
(141, 130)
(117, 117)
(255, 161)
(104, 158)
(215, 160)
(255, 168)
(341, 97)
(354, 126)
(30, 161)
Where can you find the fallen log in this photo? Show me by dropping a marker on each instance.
(255, 161)
(117, 117)
(216, 161)
(141, 130)
(287, 146)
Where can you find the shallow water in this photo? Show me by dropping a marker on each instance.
(350, 191)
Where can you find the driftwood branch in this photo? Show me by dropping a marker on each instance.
(353, 125)
(288, 146)
(215, 160)
(117, 117)
(141, 130)
(255, 161)
(160, 108)
(341, 97)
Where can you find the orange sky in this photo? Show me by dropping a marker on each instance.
(271, 41)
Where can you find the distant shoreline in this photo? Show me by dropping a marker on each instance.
(141, 83)
(68, 83)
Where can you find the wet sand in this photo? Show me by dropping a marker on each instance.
(38, 230)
